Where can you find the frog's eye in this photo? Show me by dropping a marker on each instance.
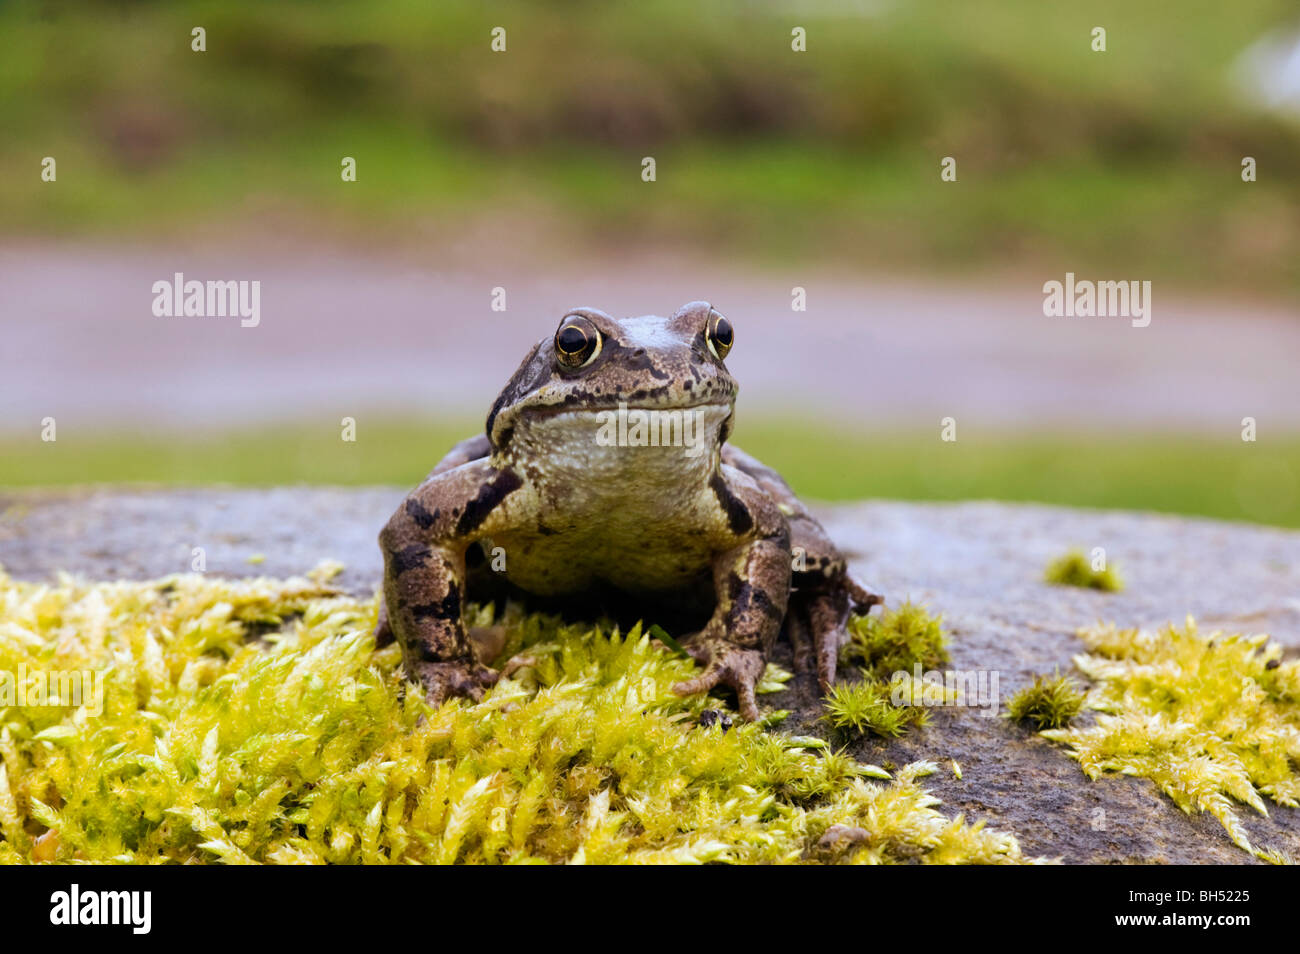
(577, 342)
(718, 334)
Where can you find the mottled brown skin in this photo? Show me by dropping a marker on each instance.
(701, 532)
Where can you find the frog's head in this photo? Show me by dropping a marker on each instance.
(594, 363)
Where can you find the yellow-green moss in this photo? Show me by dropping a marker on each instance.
(1074, 569)
(895, 641)
(305, 746)
(883, 646)
(1049, 703)
(1213, 720)
(865, 706)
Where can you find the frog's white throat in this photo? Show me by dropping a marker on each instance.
(631, 445)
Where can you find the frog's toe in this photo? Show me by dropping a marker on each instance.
(827, 653)
(698, 651)
(862, 598)
(798, 632)
(739, 669)
(827, 614)
(443, 680)
(486, 642)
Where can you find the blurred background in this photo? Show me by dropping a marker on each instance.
(775, 169)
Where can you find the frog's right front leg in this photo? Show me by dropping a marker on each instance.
(424, 546)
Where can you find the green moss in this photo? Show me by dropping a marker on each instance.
(895, 641)
(1074, 569)
(1213, 720)
(863, 707)
(306, 746)
(1051, 702)
(883, 646)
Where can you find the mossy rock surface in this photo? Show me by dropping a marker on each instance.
(979, 564)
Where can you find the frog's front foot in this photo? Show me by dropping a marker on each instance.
(442, 680)
(726, 665)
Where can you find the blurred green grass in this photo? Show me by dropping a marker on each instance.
(1257, 482)
(1127, 160)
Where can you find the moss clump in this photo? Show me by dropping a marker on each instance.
(1074, 569)
(885, 647)
(1049, 703)
(306, 746)
(865, 706)
(895, 641)
(1213, 720)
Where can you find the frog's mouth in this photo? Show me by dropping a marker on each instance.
(693, 428)
(623, 407)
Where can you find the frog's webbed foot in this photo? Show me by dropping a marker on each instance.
(726, 664)
(442, 680)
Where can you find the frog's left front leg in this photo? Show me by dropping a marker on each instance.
(752, 582)
(424, 546)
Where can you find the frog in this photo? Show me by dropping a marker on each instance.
(604, 481)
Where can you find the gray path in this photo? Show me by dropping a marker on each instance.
(346, 332)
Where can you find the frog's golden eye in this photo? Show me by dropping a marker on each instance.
(718, 334)
(577, 342)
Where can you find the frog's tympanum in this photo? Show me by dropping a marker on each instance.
(604, 485)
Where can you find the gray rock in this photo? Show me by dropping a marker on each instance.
(979, 564)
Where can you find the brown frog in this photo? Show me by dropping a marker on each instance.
(604, 483)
